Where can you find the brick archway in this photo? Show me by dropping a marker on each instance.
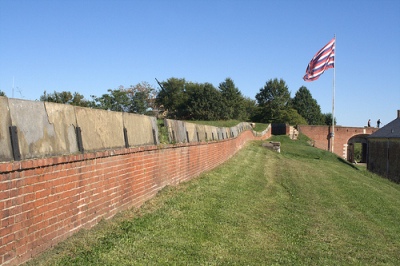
(321, 136)
(362, 139)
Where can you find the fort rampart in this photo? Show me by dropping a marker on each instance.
(58, 186)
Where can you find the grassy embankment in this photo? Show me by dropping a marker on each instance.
(303, 206)
(229, 123)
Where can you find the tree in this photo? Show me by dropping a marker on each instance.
(116, 100)
(250, 107)
(307, 107)
(172, 95)
(291, 116)
(204, 102)
(2, 93)
(142, 97)
(65, 97)
(328, 119)
(272, 100)
(233, 100)
(135, 99)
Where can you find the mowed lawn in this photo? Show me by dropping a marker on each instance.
(303, 206)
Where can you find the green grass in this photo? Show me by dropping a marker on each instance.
(219, 123)
(162, 132)
(260, 127)
(229, 123)
(304, 206)
(357, 152)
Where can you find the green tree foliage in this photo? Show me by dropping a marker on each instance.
(173, 97)
(142, 97)
(357, 152)
(66, 97)
(292, 117)
(2, 93)
(204, 102)
(250, 108)
(328, 119)
(307, 107)
(232, 99)
(272, 100)
(135, 99)
(115, 100)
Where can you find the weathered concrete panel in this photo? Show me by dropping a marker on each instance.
(176, 130)
(5, 123)
(140, 129)
(234, 131)
(201, 132)
(227, 132)
(36, 135)
(197, 132)
(221, 133)
(214, 133)
(100, 129)
(209, 131)
(62, 117)
(153, 121)
(49, 129)
(191, 132)
(245, 126)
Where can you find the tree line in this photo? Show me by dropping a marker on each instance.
(179, 99)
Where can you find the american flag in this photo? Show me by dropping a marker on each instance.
(323, 60)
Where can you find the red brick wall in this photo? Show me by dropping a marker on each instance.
(44, 201)
(320, 136)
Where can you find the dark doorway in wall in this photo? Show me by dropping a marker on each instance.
(357, 148)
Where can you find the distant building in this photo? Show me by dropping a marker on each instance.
(384, 151)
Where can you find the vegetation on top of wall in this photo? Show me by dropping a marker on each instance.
(219, 123)
(259, 127)
(162, 132)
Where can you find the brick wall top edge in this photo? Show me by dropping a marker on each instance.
(13, 166)
(336, 126)
(42, 162)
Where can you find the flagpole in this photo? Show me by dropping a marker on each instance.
(333, 102)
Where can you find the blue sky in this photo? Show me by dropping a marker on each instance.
(91, 46)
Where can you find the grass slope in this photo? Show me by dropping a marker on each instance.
(303, 206)
(259, 127)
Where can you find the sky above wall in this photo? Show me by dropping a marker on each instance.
(94, 45)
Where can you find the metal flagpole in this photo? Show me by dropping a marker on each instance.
(333, 102)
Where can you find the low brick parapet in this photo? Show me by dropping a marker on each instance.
(44, 201)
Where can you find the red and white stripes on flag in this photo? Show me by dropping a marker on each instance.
(323, 60)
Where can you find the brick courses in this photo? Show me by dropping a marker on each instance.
(320, 136)
(44, 201)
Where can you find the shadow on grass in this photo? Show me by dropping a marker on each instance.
(347, 163)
